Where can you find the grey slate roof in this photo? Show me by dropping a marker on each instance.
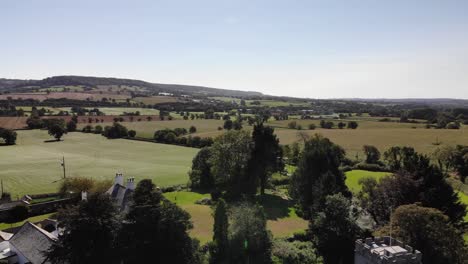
(32, 242)
(121, 195)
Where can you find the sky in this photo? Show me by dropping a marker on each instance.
(314, 49)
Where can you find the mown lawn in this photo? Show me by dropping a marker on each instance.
(33, 166)
(353, 177)
(282, 218)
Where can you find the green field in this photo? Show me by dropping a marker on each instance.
(121, 110)
(282, 218)
(32, 166)
(383, 135)
(353, 177)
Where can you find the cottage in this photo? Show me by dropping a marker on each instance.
(122, 194)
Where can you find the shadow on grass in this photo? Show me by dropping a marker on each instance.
(52, 140)
(275, 206)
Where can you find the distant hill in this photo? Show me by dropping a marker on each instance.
(94, 82)
(421, 101)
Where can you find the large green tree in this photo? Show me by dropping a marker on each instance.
(334, 230)
(200, 175)
(266, 155)
(230, 155)
(429, 231)
(155, 229)
(250, 241)
(88, 234)
(220, 247)
(416, 181)
(8, 135)
(318, 174)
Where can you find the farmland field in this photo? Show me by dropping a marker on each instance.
(32, 165)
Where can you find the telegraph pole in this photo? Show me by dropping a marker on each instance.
(63, 165)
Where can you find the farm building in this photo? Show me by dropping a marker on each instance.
(383, 250)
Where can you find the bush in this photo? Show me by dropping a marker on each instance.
(192, 129)
(292, 125)
(115, 131)
(71, 126)
(98, 129)
(87, 129)
(34, 122)
(352, 124)
(18, 213)
(8, 135)
(132, 133)
(295, 252)
(369, 167)
(312, 126)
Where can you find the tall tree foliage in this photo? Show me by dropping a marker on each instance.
(429, 231)
(200, 175)
(229, 159)
(250, 241)
(372, 154)
(220, 247)
(89, 233)
(155, 229)
(416, 181)
(266, 154)
(334, 230)
(318, 174)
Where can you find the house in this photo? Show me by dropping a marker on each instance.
(383, 250)
(27, 245)
(120, 193)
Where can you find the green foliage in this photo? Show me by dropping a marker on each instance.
(352, 125)
(334, 230)
(266, 155)
(155, 229)
(229, 159)
(372, 154)
(429, 231)
(296, 252)
(18, 213)
(228, 124)
(192, 129)
(417, 181)
(318, 174)
(132, 133)
(200, 175)
(115, 131)
(89, 233)
(220, 248)
(8, 135)
(460, 161)
(71, 126)
(249, 238)
(34, 122)
(56, 128)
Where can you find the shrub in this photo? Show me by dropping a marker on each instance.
(115, 131)
(312, 126)
(98, 129)
(369, 167)
(292, 125)
(192, 129)
(132, 133)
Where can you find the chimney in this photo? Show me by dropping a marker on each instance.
(118, 178)
(131, 184)
(84, 196)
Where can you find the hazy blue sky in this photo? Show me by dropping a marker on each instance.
(318, 49)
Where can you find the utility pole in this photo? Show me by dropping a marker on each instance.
(63, 165)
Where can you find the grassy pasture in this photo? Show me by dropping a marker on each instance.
(205, 127)
(155, 99)
(270, 103)
(32, 166)
(121, 110)
(352, 140)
